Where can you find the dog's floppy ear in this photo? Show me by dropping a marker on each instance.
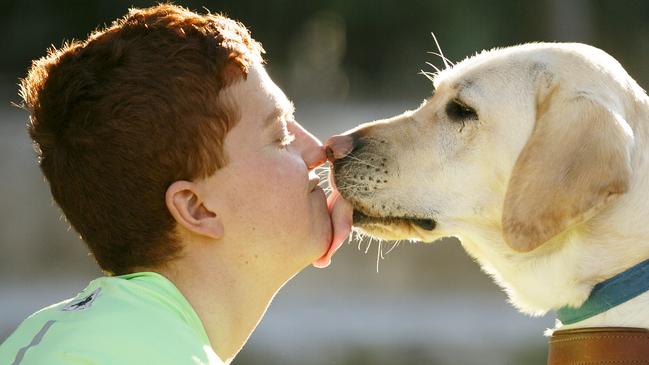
(575, 162)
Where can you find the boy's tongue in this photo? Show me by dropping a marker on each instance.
(341, 221)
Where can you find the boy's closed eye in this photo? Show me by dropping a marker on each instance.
(283, 136)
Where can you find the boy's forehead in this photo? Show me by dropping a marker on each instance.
(276, 98)
(259, 93)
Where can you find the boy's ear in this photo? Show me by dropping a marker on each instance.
(186, 206)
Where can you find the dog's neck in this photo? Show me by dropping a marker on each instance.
(565, 274)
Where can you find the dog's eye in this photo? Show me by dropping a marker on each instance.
(458, 111)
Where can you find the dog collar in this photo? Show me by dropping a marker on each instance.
(609, 293)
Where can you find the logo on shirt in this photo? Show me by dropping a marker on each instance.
(83, 303)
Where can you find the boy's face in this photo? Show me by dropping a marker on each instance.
(267, 194)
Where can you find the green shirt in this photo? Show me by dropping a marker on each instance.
(139, 318)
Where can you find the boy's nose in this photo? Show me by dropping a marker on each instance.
(339, 146)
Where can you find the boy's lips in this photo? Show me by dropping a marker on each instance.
(313, 183)
(341, 224)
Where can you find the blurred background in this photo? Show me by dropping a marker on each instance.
(343, 63)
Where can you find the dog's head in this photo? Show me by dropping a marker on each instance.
(526, 141)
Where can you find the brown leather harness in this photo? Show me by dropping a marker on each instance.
(599, 346)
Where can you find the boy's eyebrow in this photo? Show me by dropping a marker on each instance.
(285, 110)
(290, 108)
(272, 117)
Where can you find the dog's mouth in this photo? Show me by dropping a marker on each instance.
(370, 221)
(363, 220)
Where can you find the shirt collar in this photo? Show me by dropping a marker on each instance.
(165, 291)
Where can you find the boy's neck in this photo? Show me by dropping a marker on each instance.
(229, 299)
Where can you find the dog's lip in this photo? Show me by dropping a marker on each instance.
(360, 218)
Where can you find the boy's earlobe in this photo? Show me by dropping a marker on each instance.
(187, 208)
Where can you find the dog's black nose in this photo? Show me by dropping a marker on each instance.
(338, 147)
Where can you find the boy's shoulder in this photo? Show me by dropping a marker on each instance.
(110, 321)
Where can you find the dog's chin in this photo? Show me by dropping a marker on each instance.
(394, 228)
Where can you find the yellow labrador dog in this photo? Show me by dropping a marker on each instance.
(536, 157)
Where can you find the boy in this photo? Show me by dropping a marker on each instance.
(178, 161)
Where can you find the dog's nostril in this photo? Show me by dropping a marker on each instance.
(338, 147)
(330, 153)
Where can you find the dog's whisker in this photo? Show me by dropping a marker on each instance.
(428, 75)
(435, 67)
(441, 56)
(379, 255)
(368, 153)
(446, 61)
(351, 156)
(348, 186)
(369, 244)
(395, 244)
(359, 237)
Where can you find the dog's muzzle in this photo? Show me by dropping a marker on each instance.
(345, 152)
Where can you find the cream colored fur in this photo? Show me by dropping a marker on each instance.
(548, 189)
